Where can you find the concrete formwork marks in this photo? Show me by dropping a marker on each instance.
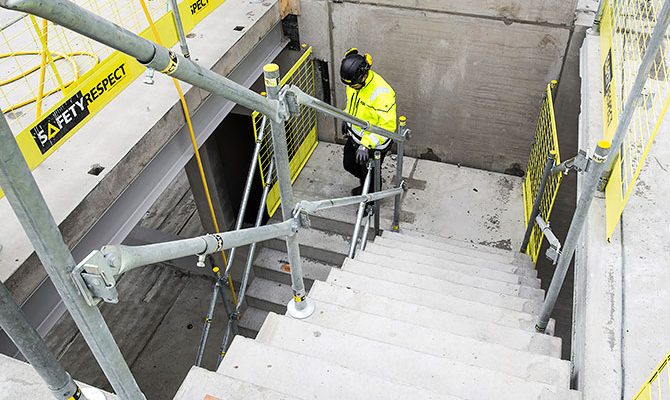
(536, 11)
(470, 87)
(471, 75)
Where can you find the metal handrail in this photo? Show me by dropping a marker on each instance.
(233, 318)
(82, 286)
(359, 215)
(600, 167)
(247, 192)
(96, 275)
(546, 172)
(231, 254)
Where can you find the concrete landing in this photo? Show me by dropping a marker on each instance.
(442, 199)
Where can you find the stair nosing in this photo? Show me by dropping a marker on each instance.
(519, 287)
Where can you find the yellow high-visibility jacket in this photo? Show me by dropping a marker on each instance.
(374, 103)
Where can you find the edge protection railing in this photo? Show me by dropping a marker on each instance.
(84, 285)
(597, 166)
(647, 391)
(541, 183)
(359, 214)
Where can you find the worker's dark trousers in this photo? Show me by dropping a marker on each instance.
(354, 168)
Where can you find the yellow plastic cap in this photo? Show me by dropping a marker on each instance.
(215, 269)
(271, 68)
(605, 144)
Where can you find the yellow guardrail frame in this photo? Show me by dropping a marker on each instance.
(545, 143)
(625, 29)
(99, 86)
(301, 134)
(649, 389)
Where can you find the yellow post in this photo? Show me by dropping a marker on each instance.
(43, 63)
(46, 57)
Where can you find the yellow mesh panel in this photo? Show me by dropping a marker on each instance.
(546, 142)
(301, 134)
(657, 386)
(626, 28)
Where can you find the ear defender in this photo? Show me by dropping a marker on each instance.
(351, 51)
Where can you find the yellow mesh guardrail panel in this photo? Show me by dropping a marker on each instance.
(626, 28)
(54, 80)
(545, 143)
(657, 384)
(301, 134)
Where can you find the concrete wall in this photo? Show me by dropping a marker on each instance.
(472, 73)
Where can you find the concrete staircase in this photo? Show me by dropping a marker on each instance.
(414, 316)
(323, 248)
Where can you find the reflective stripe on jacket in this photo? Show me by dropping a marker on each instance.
(374, 103)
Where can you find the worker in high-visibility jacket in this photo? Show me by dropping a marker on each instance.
(373, 100)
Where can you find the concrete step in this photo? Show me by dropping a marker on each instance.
(485, 252)
(273, 265)
(200, 383)
(269, 295)
(310, 377)
(473, 259)
(458, 277)
(435, 316)
(400, 364)
(439, 286)
(459, 243)
(329, 248)
(251, 321)
(412, 252)
(444, 281)
(521, 363)
(382, 255)
(506, 312)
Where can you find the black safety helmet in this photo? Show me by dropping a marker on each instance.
(354, 67)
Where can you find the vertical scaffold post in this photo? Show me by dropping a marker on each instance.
(180, 29)
(551, 160)
(33, 348)
(400, 158)
(28, 204)
(378, 187)
(300, 306)
(595, 170)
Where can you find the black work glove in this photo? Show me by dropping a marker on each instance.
(362, 155)
(345, 129)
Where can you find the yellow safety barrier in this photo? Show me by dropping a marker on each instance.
(658, 382)
(301, 132)
(626, 27)
(69, 99)
(545, 144)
